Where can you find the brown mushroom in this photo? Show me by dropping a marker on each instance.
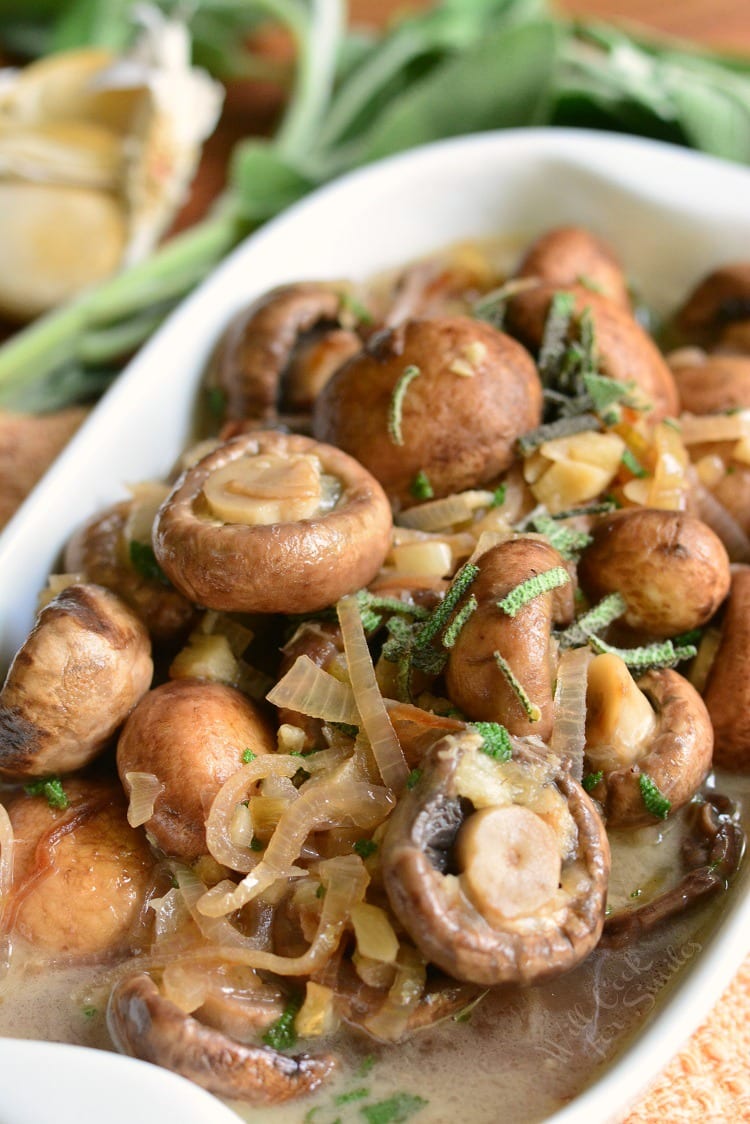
(718, 301)
(712, 853)
(82, 669)
(518, 896)
(570, 255)
(671, 750)
(191, 736)
(291, 335)
(625, 351)
(727, 692)
(273, 523)
(671, 569)
(100, 551)
(146, 1025)
(709, 384)
(474, 678)
(81, 872)
(445, 397)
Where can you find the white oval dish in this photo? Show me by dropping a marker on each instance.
(670, 214)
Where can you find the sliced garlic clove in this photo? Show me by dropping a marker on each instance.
(61, 87)
(65, 152)
(56, 240)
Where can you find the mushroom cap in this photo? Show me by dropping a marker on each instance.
(98, 550)
(80, 672)
(719, 300)
(445, 926)
(258, 344)
(571, 255)
(191, 736)
(711, 384)
(476, 393)
(474, 681)
(670, 567)
(81, 873)
(727, 692)
(147, 1026)
(678, 758)
(286, 567)
(625, 351)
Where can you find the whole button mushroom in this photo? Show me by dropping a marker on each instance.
(280, 350)
(100, 551)
(475, 681)
(657, 729)
(671, 569)
(191, 736)
(273, 523)
(83, 668)
(447, 398)
(81, 873)
(727, 692)
(718, 302)
(625, 352)
(711, 384)
(532, 863)
(570, 255)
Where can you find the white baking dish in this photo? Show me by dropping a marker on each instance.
(670, 214)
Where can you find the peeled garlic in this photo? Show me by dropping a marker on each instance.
(96, 153)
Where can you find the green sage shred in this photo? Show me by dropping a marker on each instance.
(143, 560)
(652, 657)
(654, 799)
(281, 1035)
(397, 403)
(413, 779)
(568, 542)
(556, 328)
(532, 712)
(563, 427)
(595, 620)
(591, 780)
(532, 588)
(420, 487)
(633, 465)
(49, 787)
(496, 741)
(451, 634)
(365, 848)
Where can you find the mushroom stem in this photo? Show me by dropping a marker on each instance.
(620, 720)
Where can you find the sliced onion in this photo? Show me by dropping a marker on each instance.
(310, 690)
(373, 716)
(389, 1023)
(439, 515)
(345, 881)
(183, 986)
(233, 792)
(487, 540)
(171, 914)
(144, 789)
(217, 930)
(695, 430)
(331, 803)
(569, 730)
(722, 522)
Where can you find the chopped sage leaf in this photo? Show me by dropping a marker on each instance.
(420, 487)
(49, 787)
(397, 403)
(365, 848)
(654, 799)
(532, 588)
(496, 741)
(591, 780)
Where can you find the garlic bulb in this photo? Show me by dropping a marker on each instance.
(96, 154)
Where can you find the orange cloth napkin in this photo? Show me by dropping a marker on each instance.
(709, 1081)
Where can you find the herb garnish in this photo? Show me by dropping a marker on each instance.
(633, 465)
(365, 848)
(49, 787)
(532, 588)
(532, 712)
(496, 741)
(648, 658)
(413, 779)
(247, 756)
(395, 1110)
(397, 403)
(654, 799)
(420, 487)
(591, 780)
(281, 1035)
(595, 620)
(143, 560)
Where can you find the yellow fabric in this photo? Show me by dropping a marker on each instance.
(709, 1081)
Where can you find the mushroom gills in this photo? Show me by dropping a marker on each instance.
(271, 488)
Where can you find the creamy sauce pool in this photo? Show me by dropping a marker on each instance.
(532, 1050)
